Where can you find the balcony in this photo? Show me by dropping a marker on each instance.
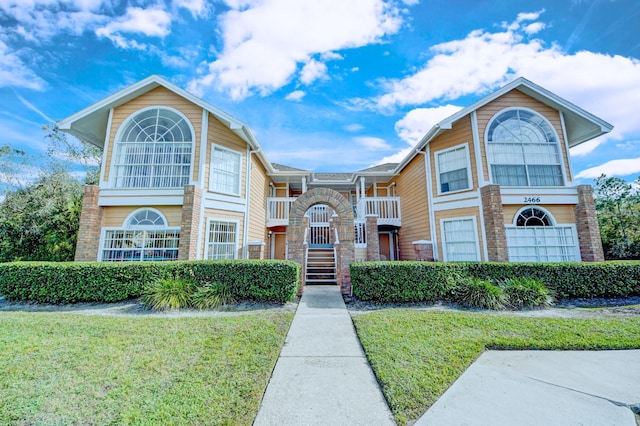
(386, 208)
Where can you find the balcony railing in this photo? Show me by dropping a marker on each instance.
(386, 208)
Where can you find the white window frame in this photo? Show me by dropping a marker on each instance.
(116, 153)
(475, 237)
(211, 220)
(437, 154)
(554, 225)
(526, 165)
(144, 229)
(213, 172)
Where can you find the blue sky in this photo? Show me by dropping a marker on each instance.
(327, 85)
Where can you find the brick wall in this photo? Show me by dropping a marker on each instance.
(373, 239)
(190, 223)
(587, 226)
(494, 223)
(89, 231)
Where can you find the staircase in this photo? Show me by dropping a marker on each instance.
(321, 266)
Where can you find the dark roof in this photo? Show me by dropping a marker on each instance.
(386, 167)
(283, 168)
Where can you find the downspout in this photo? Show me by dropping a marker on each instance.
(247, 194)
(432, 214)
(204, 186)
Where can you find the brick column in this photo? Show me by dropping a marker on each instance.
(423, 250)
(190, 223)
(88, 243)
(494, 223)
(587, 226)
(373, 239)
(256, 250)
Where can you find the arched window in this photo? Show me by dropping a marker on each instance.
(523, 150)
(533, 217)
(144, 236)
(153, 150)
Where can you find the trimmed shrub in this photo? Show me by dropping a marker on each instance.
(524, 292)
(388, 281)
(169, 293)
(72, 282)
(431, 281)
(478, 293)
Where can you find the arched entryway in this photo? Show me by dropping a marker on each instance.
(343, 225)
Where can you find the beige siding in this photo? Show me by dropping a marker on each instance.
(515, 98)
(220, 135)
(258, 203)
(411, 187)
(158, 97)
(459, 213)
(563, 214)
(461, 133)
(115, 216)
(222, 215)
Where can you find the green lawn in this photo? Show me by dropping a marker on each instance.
(60, 369)
(417, 355)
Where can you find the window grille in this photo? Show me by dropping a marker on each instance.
(222, 240)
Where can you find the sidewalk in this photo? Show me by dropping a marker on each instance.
(322, 376)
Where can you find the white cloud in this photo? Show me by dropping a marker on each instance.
(153, 22)
(312, 71)
(395, 158)
(14, 72)
(623, 167)
(355, 127)
(265, 40)
(372, 143)
(417, 122)
(296, 95)
(198, 8)
(605, 85)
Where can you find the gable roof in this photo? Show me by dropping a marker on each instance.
(581, 126)
(90, 124)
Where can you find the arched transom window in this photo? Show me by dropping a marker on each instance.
(523, 150)
(144, 235)
(533, 217)
(153, 150)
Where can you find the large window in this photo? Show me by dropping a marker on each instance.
(153, 150)
(143, 236)
(222, 239)
(453, 171)
(460, 239)
(523, 150)
(225, 171)
(534, 237)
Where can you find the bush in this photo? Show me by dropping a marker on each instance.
(431, 281)
(524, 292)
(212, 296)
(169, 293)
(71, 282)
(477, 293)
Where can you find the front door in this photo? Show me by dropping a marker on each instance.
(279, 246)
(385, 246)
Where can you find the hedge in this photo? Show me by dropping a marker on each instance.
(72, 282)
(431, 281)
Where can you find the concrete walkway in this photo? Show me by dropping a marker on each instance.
(504, 388)
(322, 376)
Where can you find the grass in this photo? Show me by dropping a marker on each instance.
(417, 355)
(72, 369)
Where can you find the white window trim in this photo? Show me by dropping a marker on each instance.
(133, 213)
(207, 242)
(559, 142)
(211, 170)
(104, 229)
(475, 236)
(468, 161)
(111, 183)
(534, 206)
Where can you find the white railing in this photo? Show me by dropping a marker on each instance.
(360, 233)
(386, 208)
(278, 210)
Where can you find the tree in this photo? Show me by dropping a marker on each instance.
(40, 221)
(618, 208)
(88, 156)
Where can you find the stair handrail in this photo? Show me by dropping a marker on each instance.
(337, 239)
(306, 231)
